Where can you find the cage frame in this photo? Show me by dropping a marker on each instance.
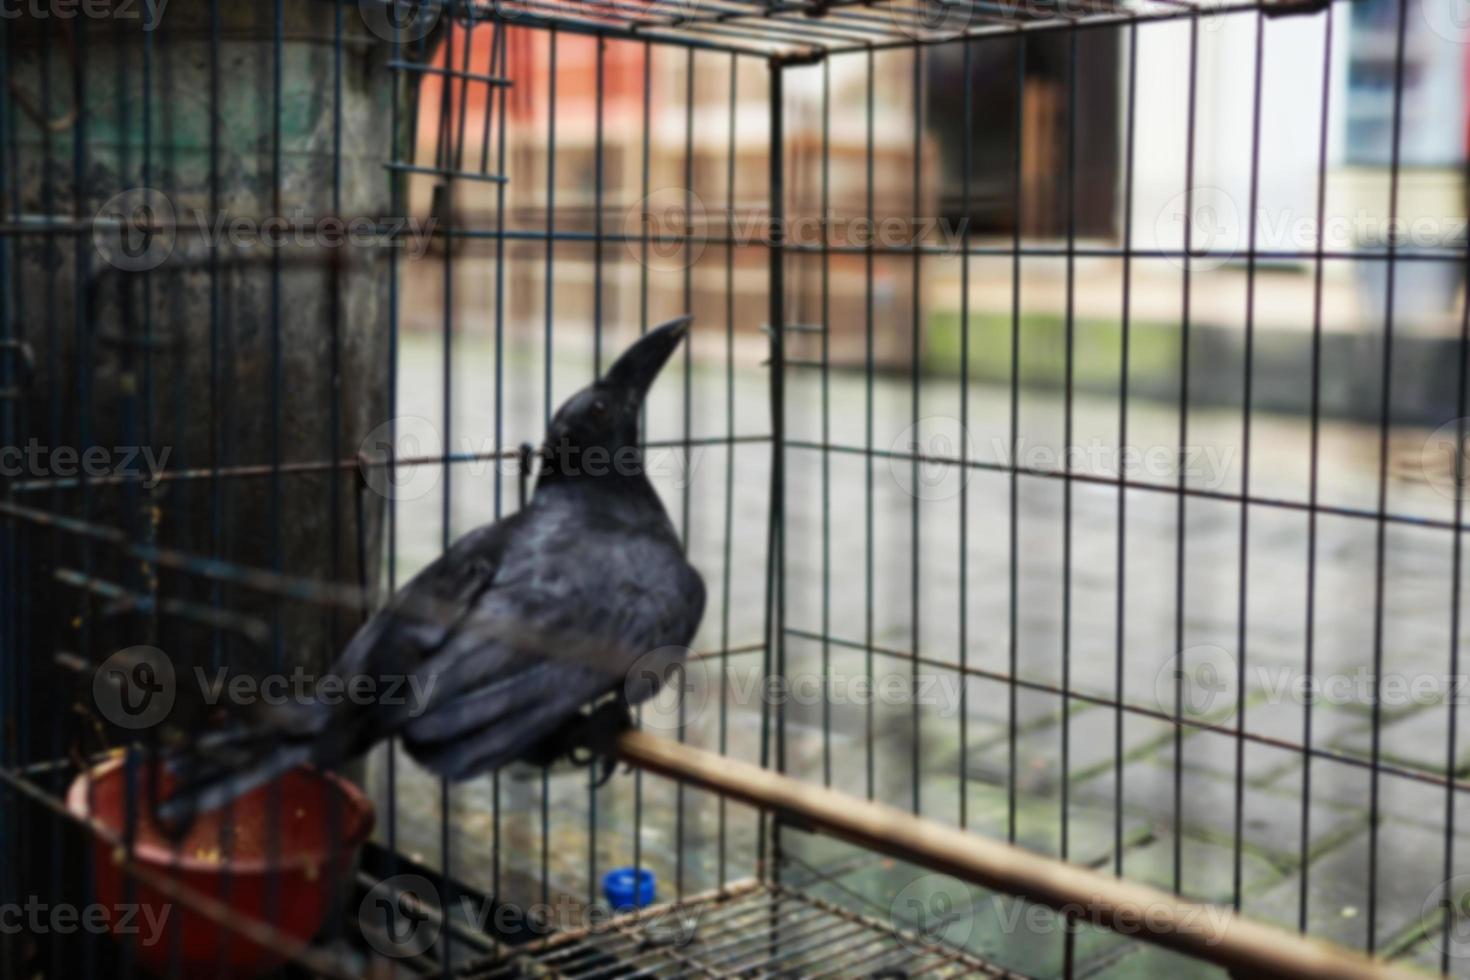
(809, 38)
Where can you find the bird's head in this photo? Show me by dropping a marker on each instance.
(596, 430)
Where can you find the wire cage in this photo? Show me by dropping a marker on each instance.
(1080, 504)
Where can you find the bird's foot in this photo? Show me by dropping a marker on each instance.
(593, 738)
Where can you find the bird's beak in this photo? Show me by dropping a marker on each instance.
(641, 363)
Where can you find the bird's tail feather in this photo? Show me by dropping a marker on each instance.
(201, 788)
(226, 764)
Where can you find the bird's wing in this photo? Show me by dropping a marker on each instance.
(428, 611)
(589, 606)
(423, 617)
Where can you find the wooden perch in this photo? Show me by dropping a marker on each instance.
(1207, 932)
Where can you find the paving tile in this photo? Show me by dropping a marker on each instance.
(1418, 740)
(1208, 868)
(1272, 819)
(1409, 870)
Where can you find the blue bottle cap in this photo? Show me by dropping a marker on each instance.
(629, 888)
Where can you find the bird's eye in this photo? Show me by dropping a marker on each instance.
(599, 407)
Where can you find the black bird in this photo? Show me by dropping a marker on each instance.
(529, 636)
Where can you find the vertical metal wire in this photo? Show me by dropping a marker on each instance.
(131, 435)
(869, 595)
(9, 557)
(501, 49)
(729, 450)
(334, 357)
(1068, 387)
(914, 357)
(456, 161)
(332, 812)
(1013, 513)
(680, 800)
(1069, 931)
(776, 313)
(688, 307)
(83, 338)
(13, 554)
(277, 385)
(1380, 545)
(826, 396)
(968, 136)
(1242, 612)
(1126, 317)
(1179, 503)
(449, 164)
(1447, 901)
(1309, 660)
(396, 93)
(597, 193)
(549, 291)
(642, 329)
(53, 338)
(548, 394)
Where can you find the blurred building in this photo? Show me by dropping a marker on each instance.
(682, 196)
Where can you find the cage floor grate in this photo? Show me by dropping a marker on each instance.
(748, 931)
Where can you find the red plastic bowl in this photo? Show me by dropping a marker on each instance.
(285, 873)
